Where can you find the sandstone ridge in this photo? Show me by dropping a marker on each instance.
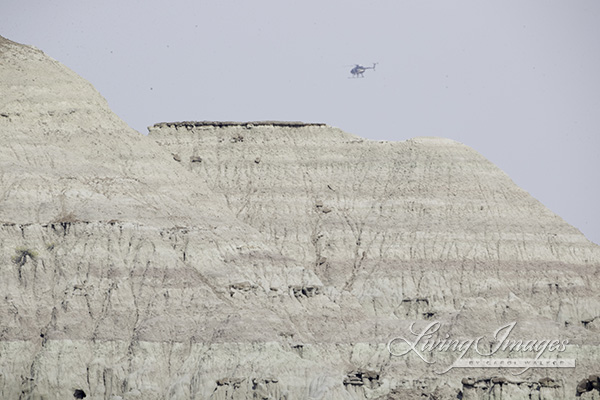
(249, 124)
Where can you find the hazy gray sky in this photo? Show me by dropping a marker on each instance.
(516, 80)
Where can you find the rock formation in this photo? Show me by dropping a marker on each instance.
(265, 260)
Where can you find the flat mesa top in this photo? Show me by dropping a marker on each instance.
(234, 123)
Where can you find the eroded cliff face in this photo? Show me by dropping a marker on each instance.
(425, 229)
(264, 260)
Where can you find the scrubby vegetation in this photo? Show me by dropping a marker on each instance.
(22, 253)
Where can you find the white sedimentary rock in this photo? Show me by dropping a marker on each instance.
(265, 260)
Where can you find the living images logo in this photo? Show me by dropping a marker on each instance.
(429, 341)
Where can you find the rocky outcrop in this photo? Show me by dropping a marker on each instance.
(110, 251)
(248, 125)
(263, 260)
(511, 388)
(425, 229)
(589, 388)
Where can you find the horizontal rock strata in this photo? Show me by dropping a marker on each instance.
(264, 260)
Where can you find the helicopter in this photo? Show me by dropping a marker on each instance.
(359, 70)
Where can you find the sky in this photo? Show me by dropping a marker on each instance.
(518, 81)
